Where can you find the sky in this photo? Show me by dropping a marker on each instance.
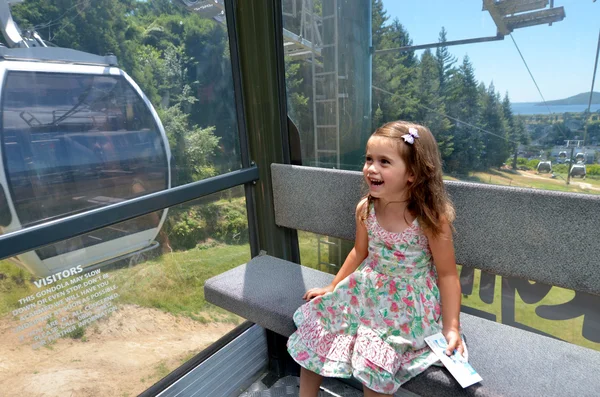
(560, 57)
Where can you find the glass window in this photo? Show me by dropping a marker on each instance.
(562, 313)
(85, 142)
(115, 310)
(508, 112)
(77, 136)
(116, 328)
(498, 118)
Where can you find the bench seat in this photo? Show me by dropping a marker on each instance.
(512, 362)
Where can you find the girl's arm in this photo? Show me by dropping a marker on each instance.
(442, 249)
(354, 258)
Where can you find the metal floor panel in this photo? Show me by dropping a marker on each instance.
(288, 386)
(228, 372)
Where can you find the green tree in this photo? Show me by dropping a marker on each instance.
(192, 147)
(445, 64)
(463, 104)
(593, 131)
(431, 110)
(379, 19)
(150, 71)
(98, 26)
(495, 139)
(297, 98)
(516, 133)
(395, 72)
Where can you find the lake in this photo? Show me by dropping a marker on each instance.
(532, 108)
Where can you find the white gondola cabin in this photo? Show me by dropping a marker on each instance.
(76, 133)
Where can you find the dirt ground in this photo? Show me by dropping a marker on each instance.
(120, 356)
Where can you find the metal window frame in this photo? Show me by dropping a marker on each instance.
(238, 89)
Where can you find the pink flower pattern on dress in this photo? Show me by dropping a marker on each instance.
(373, 325)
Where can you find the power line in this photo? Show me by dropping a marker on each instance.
(56, 21)
(594, 74)
(87, 4)
(592, 88)
(536, 84)
(450, 117)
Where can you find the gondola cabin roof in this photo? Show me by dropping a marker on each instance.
(56, 55)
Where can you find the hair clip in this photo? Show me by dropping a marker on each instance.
(412, 134)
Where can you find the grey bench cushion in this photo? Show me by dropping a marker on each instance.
(511, 362)
(266, 291)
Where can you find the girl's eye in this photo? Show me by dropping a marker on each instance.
(384, 161)
(368, 159)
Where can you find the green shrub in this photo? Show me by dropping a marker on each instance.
(561, 168)
(187, 231)
(524, 164)
(223, 221)
(77, 333)
(232, 226)
(593, 169)
(532, 164)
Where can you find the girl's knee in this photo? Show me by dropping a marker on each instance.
(308, 374)
(310, 383)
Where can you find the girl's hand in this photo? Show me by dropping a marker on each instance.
(314, 292)
(454, 341)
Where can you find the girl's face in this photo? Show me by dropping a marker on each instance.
(385, 172)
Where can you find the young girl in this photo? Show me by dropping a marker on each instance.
(371, 321)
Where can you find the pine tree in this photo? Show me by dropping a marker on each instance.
(378, 23)
(495, 140)
(515, 130)
(445, 64)
(431, 106)
(396, 72)
(463, 104)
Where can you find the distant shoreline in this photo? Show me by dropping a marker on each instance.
(575, 100)
(531, 108)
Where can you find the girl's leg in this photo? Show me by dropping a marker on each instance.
(370, 393)
(309, 383)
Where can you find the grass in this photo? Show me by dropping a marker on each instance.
(13, 286)
(161, 370)
(174, 282)
(529, 179)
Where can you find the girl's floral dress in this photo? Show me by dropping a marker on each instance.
(373, 325)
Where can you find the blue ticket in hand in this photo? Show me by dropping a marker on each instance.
(456, 364)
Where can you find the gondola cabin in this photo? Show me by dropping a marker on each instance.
(76, 133)
(544, 166)
(562, 156)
